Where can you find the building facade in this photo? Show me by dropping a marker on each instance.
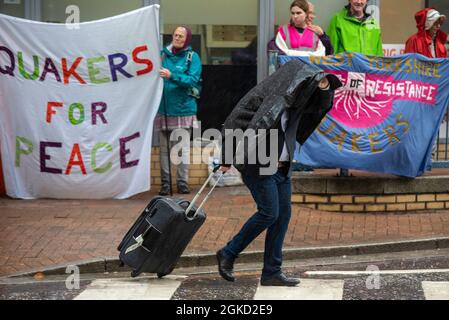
(230, 36)
(223, 27)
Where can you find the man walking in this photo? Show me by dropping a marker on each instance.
(293, 101)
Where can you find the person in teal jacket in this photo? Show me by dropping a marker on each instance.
(355, 30)
(181, 71)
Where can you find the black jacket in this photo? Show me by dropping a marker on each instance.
(292, 88)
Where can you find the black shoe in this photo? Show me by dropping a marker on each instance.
(279, 280)
(183, 189)
(225, 266)
(165, 190)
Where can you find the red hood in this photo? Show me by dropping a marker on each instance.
(421, 17)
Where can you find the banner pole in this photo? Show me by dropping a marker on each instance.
(168, 142)
(167, 131)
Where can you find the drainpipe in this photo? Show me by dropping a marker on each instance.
(264, 35)
(33, 10)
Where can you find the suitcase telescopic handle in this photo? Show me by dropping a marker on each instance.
(201, 191)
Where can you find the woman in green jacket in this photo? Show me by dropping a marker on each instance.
(181, 70)
(355, 30)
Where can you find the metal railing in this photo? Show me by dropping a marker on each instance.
(441, 150)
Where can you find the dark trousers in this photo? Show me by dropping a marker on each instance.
(272, 195)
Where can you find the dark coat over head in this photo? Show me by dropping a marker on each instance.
(292, 88)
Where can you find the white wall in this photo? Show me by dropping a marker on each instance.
(398, 19)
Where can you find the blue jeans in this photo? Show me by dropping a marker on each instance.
(273, 198)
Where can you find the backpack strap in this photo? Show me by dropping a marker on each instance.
(196, 89)
(189, 59)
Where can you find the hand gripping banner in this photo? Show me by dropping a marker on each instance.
(385, 118)
(77, 105)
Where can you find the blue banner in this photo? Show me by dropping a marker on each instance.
(385, 118)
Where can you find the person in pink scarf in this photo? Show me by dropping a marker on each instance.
(297, 38)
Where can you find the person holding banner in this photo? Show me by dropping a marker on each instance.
(430, 40)
(181, 70)
(355, 30)
(324, 38)
(297, 38)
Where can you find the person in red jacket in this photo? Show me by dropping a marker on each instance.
(429, 40)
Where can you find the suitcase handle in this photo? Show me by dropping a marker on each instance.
(199, 193)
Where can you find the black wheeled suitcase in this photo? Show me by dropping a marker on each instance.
(160, 235)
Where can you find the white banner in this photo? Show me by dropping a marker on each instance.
(392, 50)
(77, 105)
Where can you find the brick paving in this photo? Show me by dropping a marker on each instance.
(41, 233)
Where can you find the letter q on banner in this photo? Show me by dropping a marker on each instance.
(77, 105)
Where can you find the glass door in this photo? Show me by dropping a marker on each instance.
(55, 10)
(225, 37)
(15, 8)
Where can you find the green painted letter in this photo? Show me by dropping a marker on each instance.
(106, 167)
(72, 119)
(22, 70)
(20, 151)
(93, 72)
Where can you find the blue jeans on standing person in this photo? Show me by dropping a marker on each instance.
(272, 195)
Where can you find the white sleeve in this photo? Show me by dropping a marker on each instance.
(320, 51)
(281, 44)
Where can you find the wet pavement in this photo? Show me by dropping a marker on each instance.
(39, 234)
(417, 275)
(40, 291)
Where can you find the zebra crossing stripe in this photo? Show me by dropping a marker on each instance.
(130, 289)
(308, 289)
(366, 272)
(434, 290)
